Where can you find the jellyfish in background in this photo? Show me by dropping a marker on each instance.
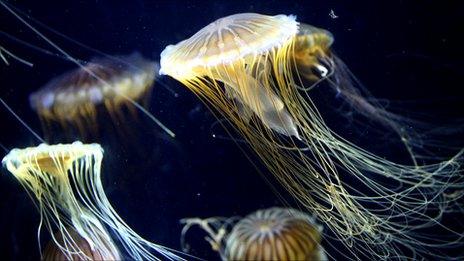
(257, 71)
(76, 106)
(267, 234)
(65, 180)
(114, 83)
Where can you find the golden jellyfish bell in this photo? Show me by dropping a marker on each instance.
(231, 50)
(275, 234)
(115, 84)
(266, 234)
(313, 39)
(76, 93)
(48, 162)
(312, 45)
(226, 41)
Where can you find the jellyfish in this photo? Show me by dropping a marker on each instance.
(249, 68)
(77, 107)
(316, 63)
(114, 83)
(267, 234)
(65, 180)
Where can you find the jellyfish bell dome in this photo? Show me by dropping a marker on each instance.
(99, 80)
(275, 234)
(78, 100)
(267, 234)
(319, 35)
(225, 41)
(312, 52)
(48, 157)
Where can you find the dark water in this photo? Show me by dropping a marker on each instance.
(402, 51)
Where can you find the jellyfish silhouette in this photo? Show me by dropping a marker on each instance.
(267, 234)
(114, 83)
(65, 181)
(249, 68)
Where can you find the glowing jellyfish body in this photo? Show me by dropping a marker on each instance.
(65, 181)
(225, 50)
(250, 68)
(268, 234)
(114, 83)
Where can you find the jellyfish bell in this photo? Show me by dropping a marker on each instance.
(312, 44)
(317, 40)
(275, 234)
(113, 83)
(225, 41)
(266, 234)
(65, 181)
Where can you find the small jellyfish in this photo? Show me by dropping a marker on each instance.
(267, 234)
(257, 72)
(65, 181)
(114, 83)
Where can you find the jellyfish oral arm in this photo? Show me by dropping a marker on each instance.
(265, 104)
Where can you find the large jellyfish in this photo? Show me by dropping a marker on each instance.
(267, 234)
(250, 67)
(114, 83)
(65, 181)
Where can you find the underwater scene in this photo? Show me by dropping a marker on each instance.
(231, 130)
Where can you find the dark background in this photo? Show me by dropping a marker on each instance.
(409, 52)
